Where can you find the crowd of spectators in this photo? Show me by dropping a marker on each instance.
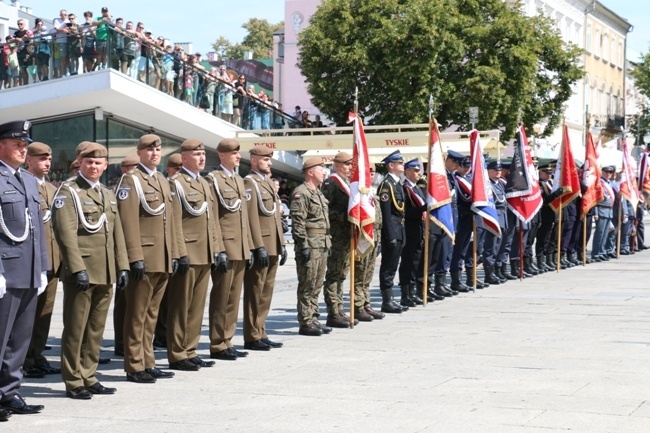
(74, 46)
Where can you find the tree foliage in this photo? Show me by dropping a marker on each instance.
(259, 41)
(465, 53)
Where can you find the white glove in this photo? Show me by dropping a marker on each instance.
(3, 286)
(43, 285)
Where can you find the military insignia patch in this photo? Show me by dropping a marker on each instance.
(383, 196)
(58, 203)
(122, 194)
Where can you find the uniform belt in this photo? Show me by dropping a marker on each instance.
(318, 231)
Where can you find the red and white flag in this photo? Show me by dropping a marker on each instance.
(361, 207)
(438, 194)
(644, 173)
(629, 188)
(591, 178)
(522, 187)
(566, 174)
(482, 197)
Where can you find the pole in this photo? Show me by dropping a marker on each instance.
(425, 270)
(521, 250)
(559, 236)
(352, 228)
(618, 228)
(584, 239)
(474, 251)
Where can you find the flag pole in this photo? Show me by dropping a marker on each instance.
(584, 240)
(521, 250)
(474, 250)
(559, 237)
(353, 227)
(618, 228)
(425, 270)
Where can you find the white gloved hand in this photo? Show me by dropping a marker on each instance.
(3, 286)
(43, 285)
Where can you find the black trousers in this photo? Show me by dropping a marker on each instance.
(389, 262)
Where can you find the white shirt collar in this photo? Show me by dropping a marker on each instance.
(259, 174)
(150, 172)
(228, 172)
(395, 178)
(191, 173)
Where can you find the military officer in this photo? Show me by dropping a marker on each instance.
(364, 269)
(146, 209)
(543, 246)
(119, 306)
(463, 187)
(414, 212)
(311, 235)
(492, 241)
(229, 192)
(336, 190)
(196, 212)
(39, 161)
(266, 231)
(23, 264)
(173, 166)
(391, 204)
(89, 232)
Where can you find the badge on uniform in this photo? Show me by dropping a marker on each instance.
(122, 194)
(58, 203)
(383, 196)
(247, 196)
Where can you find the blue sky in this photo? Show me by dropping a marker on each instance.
(202, 22)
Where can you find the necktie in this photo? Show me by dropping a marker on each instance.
(19, 177)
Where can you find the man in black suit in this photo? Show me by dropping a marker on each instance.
(23, 264)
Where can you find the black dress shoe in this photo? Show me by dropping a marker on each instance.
(184, 365)
(224, 355)
(390, 308)
(273, 344)
(239, 353)
(98, 388)
(18, 405)
(141, 377)
(256, 345)
(160, 343)
(48, 369)
(157, 373)
(201, 363)
(79, 393)
(4, 414)
(104, 361)
(625, 253)
(34, 373)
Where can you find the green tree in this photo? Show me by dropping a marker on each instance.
(465, 53)
(259, 41)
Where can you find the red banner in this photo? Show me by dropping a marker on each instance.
(591, 178)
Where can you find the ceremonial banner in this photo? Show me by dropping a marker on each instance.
(482, 198)
(361, 207)
(644, 174)
(629, 188)
(566, 174)
(522, 188)
(438, 193)
(590, 178)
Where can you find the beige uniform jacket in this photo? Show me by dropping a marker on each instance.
(201, 237)
(234, 225)
(266, 230)
(154, 239)
(47, 192)
(100, 254)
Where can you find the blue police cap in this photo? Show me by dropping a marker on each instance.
(395, 156)
(17, 129)
(455, 156)
(414, 163)
(494, 164)
(466, 162)
(506, 164)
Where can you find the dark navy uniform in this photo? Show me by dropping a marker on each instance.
(492, 241)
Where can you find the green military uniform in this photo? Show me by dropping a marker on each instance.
(310, 229)
(146, 209)
(337, 192)
(89, 232)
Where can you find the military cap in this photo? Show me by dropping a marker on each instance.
(343, 157)
(94, 150)
(494, 164)
(311, 162)
(81, 146)
(414, 163)
(546, 168)
(149, 140)
(228, 145)
(505, 165)
(261, 151)
(74, 165)
(130, 160)
(175, 160)
(609, 168)
(17, 129)
(192, 144)
(457, 157)
(38, 148)
(466, 162)
(395, 156)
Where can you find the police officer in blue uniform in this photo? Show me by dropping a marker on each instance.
(464, 226)
(23, 264)
(492, 241)
(391, 204)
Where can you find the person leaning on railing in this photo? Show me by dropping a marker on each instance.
(75, 41)
(42, 41)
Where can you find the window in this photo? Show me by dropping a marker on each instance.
(604, 46)
(620, 61)
(610, 101)
(597, 43)
(613, 55)
(587, 91)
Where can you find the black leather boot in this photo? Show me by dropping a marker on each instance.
(439, 287)
(414, 295)
(470, 280)
(405, 300)
(527, 267)
(490, 278)
(458, 285)
(550, 264)
(388, 305)
(508, 275)
(541, 263)
(533, 266)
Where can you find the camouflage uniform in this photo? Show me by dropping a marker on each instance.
(364, 268)
(310, 229)
(338, 264)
